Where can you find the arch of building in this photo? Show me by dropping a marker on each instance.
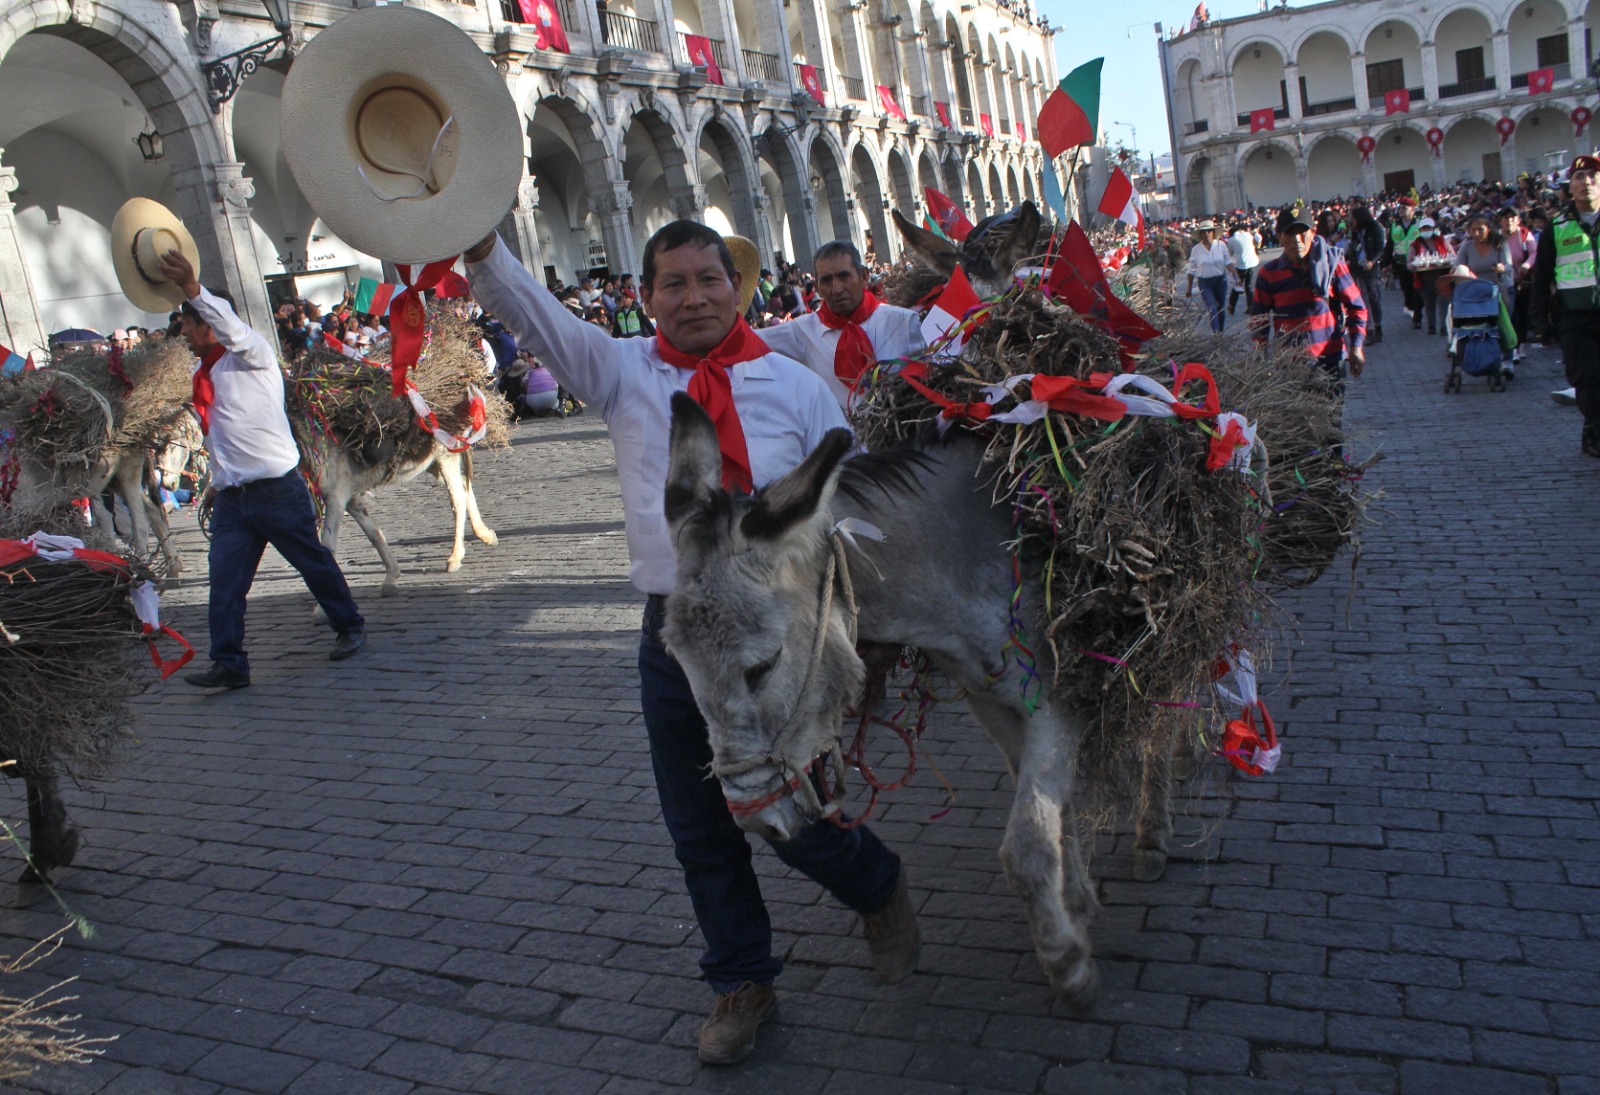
(1544, 139)
(1471, 150)
(1270, 174)
(1334, 168)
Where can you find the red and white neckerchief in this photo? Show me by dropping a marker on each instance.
(205, 391)
(712, 388)
(854, 354)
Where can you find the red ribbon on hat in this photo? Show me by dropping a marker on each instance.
(407, 318)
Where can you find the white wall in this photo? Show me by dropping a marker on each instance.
(1465, 145)
(1548, 130)
(1255, 82)
(1325, 67)
(1547, 20)
(1334, 169)
(1270, 181)
(1402, 44)
(1464, 29)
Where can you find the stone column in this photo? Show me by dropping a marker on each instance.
(214, 201)
(1577, 53)
(1291, 88)
(1508, 158)
(1358, 80)
(1502, 62)
(20, 323)
(613, 204)
(688, 203)
(520, 231)
(1430, 72)
(762, 236)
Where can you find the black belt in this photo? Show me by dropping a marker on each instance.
(264, 482)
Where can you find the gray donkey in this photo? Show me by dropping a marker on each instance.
(772, 597)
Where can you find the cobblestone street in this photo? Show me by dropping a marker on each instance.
(438, 867)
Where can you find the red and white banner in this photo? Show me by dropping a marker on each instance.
(548, 33)
(1121, 201)
(1265, 118)
(943, 111)
(477, 413)
(1397, 102)
(700, 53)
(950, 309)
(986, 124)
(1505, 127)
(890, 105)
(813, 85)
(1541, 80)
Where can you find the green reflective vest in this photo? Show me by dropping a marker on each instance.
(1404, 234)
(628, 321)
(1576, 252)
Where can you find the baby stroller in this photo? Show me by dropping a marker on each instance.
(1475, 334)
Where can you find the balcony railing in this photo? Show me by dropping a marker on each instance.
(1005, 127)
(1200, 126)
(631, 32)
(855, 89)
(764, 67)
(822, 81)
(1279, 114)
(922, 106)
(1520, 80)
(1332, 106)
(1468, 87)
(718, 53)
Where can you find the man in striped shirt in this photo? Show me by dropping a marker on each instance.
(1306, 295)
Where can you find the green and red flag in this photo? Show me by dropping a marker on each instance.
(372, 297)
(947, 214)
(1071, 115)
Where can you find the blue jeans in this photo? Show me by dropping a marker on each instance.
(244, 520)
(853, 865)
(1214, 291)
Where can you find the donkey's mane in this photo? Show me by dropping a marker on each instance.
(896, 471)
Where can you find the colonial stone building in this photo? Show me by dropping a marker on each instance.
(1328, 74)
(623, 133)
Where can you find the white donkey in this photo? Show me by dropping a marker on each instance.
(770, 603)
(345, 480)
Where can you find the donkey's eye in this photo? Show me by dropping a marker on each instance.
(758, 673)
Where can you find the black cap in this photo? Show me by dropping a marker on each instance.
(1294, 217)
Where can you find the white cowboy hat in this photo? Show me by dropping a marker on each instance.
(402, 134)
(1458, 273)
(141, 232)
(747, 261)
(1206, 226)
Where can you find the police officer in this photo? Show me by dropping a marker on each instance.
(1565, 297)
(1403, 232)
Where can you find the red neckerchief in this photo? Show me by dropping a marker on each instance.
(713, 389)
(854, 355)
(205, 392)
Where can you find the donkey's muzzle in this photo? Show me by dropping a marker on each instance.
(776, 814)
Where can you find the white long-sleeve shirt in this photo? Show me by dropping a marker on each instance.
(784, 408)
(250, 438)
(895, 332)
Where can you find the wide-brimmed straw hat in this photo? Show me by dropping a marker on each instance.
(141, 232)
(1206, 226)
(746, 260)
(1458, 273)
(402, 135)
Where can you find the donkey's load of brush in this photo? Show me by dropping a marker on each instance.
(1158, 507)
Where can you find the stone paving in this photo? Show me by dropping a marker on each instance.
(438, 868)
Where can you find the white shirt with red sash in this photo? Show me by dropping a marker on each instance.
(895, 333)
(248, 435)
(783, 407)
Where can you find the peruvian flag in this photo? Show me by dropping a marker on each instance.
(949, 216)
(943, 111)
(336, 346)
(1201, 17)
(1121, 201)
(699, 48)
(548, 32)
(952, 306)
(813, 86)
(1263, 119)
(1397, 102)
(1541, 80)
(986, 124)
(890, 106)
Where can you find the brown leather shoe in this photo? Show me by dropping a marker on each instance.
(892, 935)
(729, 1033)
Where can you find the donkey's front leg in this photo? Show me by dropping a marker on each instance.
(1041, 855)
(1153, 828)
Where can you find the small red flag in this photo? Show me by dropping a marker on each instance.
(986, 124)
(699, 48)
(943, 111)
(948, 215)
(1541, 80)
(813, 85)
(548, 32)
(1265, 118)
(1062, 124)
(1397, 102)
(890, 106)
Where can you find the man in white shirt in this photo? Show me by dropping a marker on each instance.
(852, 331)
(258, 497)
(1243, 256)
(770, 412)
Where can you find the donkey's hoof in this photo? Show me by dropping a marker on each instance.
(452, 564)
(1149, 864)
(60, 853)
(489, 537)
(1076, 990)
(390, 587)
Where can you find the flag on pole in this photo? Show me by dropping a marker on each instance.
(1397, 102)
(1022, 130)
(1052, 194)
(1541, 80)
(943, 111)
(952, 306)
(1201, 17)
(890, 105)
(337, 346)
(1078, 278)
(948, 214)
(1265, 118)
(548, 32)
(812, 83)
(1071, 115)
(1121, 201)
(700, 53)
(372, 296)
(986, 124)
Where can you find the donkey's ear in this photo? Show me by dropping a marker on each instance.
(939, 253)
(800, 494)
(1021, 241)
(694, 460)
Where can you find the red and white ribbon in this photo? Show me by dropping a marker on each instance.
(1243, 745)
(477, 413)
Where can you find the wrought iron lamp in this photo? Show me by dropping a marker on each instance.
(150, 145)
(224, 75)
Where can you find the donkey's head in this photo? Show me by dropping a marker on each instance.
(990, 252)
(753, 620)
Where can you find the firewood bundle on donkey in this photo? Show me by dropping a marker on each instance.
(95, 420)
(75, 626)
(1078, 548)
(357, 436)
